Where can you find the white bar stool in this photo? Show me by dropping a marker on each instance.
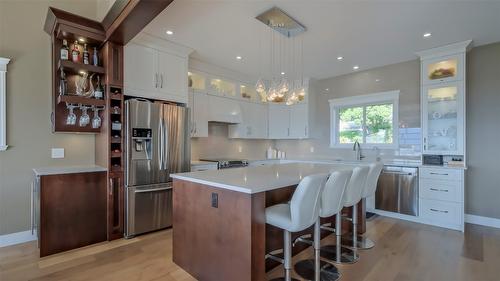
(331, 204)
(364, 243)
(352, 196)
(299, 214)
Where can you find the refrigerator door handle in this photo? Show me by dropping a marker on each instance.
(160, 144)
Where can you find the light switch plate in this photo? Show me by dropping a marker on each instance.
(57, 153)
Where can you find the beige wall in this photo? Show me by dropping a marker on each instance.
(402, 76)
(217, 145)
(29, 136)
(482, 194)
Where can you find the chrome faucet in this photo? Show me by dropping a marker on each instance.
(357, 149)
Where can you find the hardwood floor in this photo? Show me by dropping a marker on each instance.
(404, 251)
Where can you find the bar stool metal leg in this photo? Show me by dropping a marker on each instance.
(287, 258)
(316, 269)
(338, 254)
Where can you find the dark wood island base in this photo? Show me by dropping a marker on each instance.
(220, 234)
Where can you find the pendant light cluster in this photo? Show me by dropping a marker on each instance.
(286, 78)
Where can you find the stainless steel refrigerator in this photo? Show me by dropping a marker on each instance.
(157, 145)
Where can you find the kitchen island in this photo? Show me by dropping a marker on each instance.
(219, 229)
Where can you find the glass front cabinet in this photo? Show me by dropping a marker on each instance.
(443, 69)
(443, 119)
(443, 99)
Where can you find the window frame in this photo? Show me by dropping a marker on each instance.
(391, 97)
(3, 103)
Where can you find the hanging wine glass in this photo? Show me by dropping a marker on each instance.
(71, 118)
(96, 121)
(84, 118)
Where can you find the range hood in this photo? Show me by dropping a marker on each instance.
(224, 110)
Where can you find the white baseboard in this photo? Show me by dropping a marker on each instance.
(486, 221)
(17, 238)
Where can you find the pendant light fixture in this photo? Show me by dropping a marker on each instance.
(286, 81)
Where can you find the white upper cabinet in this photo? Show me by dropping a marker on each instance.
(254, 122)
(156, 69)
(173, 70)
(199, 114)
(140, 67)
(288, 122)
(299, 121)
(279, 121)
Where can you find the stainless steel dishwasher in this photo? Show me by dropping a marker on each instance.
(397, 190)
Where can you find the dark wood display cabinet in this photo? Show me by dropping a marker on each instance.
(61, 25)
(124, 21)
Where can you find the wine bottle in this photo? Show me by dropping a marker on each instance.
(65, 50)
(75, 53)
(99, 91)
(86, 55)
(95, 57)
(63, 84)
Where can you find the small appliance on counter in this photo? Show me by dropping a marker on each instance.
(225, 163)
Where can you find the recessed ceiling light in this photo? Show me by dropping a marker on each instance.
(282, 73)
(170, 32)
(327, 89)
(377, 80)
(356, 67)
(340, 58)
(81, 39)
(238, 57)
(427, 35)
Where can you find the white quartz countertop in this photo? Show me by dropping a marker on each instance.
(260, 178)
(45, 171)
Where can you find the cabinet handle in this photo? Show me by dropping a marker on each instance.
(110, 186)
(439, 211)
(161, 77)
(438, 174)
(156, 80)
(442, 190)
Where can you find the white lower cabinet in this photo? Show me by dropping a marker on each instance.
(199, 114)
(441, 197)
(254, 122)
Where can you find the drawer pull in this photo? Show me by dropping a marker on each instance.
(442, 190)
(439, 211)
(439, 174)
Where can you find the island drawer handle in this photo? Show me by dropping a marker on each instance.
(442, 190)
(439, 174)
(435, 210)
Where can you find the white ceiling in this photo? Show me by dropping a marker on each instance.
(366, 33)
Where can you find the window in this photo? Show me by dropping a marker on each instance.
(371, 120)
(3, 103)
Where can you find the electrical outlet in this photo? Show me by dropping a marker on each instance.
(57, 153)
(311, 149)
(240, 149)
(215, 200)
